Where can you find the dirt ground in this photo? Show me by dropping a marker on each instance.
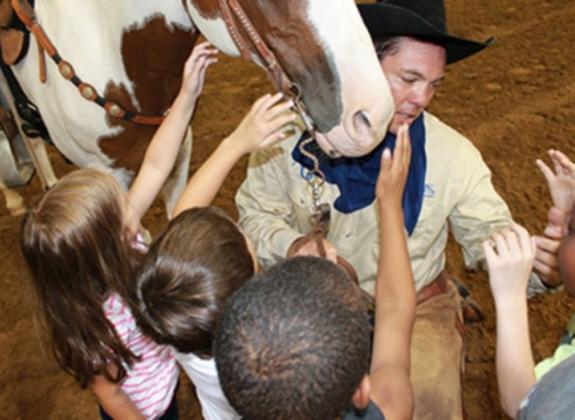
(514, 101)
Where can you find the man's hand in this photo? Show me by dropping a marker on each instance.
(510, 255)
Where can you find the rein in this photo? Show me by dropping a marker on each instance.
(27, 15)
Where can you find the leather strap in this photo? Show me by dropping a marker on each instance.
(317, 236)
(437, 287)
(27, 15)
(235, 18)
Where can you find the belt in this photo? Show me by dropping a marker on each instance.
(438, 286)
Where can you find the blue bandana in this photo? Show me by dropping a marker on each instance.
(357, 177)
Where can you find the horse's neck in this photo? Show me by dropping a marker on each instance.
(111, 15)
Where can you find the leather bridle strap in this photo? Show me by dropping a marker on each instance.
(28, 17)
(235, 17)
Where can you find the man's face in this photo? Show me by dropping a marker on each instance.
(414, 71)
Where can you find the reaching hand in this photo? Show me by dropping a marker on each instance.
(394, 170)
(264, 125)
(203, 55)
(562, 181)
(509, 256)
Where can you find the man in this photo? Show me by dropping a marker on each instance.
(448, 185)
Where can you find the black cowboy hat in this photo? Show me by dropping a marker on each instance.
(424, 19)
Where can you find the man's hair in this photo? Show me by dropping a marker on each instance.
(186, 277)
(386, 46)
(390, 45)
(293, 343)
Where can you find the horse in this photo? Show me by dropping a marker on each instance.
(127, 56)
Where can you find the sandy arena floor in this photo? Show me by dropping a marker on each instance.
(514, 101)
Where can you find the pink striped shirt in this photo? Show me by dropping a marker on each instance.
(151, 382)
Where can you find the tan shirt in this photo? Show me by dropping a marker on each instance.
(275, 205)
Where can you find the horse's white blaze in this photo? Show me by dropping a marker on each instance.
(215, 30)
(91, 42)
(364, 87)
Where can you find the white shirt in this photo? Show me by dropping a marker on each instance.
(204, 375)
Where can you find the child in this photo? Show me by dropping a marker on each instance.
(510, 255)
(294, 342)
(78, 242)
(202, 258)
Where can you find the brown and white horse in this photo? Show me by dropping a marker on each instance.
(131, 52)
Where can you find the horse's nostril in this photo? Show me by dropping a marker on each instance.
(361, 122)
(362, 126)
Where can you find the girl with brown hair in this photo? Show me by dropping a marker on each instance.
(202, 258)
(81, 248)
(81, 245)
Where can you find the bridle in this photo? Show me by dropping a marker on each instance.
(27, 15)
(235, 18)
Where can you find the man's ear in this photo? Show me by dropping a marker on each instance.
(360, 397)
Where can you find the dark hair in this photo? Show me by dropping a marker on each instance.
(188, 274)
(293, 343)
(73, 244)
(386, 46)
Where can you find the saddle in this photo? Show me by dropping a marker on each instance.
(14, 38)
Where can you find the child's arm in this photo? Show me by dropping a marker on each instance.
(113, 400)
(164, 146)
(562, 181)
(509, 258)
(260, 128)
(394, 291)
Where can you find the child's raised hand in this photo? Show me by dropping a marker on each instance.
(394, 169)
(561, 181)
(510, 255)
(264, 125)
(203, 55)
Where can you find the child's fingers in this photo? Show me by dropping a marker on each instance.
(266, 102)
(386, 160)
(398, 151)
(501, 244)
(407, 148)
(545, 170)
(258, 104)
(523, 237)
(556, 164)
(276, 110)
(490, 255)
(281, 120)
(273, 138)
(205, 48)
(564, 161)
